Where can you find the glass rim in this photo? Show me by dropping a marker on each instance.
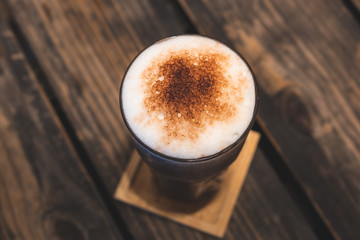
(205, 158)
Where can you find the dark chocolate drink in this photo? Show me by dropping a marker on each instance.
(189, 102)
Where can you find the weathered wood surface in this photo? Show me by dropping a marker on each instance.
(306, 58)
(83, 48)
(44, 191)
(356, 4)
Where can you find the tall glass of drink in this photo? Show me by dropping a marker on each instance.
(188, 102)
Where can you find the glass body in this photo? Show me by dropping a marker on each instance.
(190, 179)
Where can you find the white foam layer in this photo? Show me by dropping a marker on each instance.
(214, 135)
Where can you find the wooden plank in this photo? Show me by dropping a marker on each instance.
(356, 4)
(83, 48)
(306, 59)
(44, 191)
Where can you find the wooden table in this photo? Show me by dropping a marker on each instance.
(63, 147)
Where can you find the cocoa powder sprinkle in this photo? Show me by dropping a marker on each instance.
(188, 90)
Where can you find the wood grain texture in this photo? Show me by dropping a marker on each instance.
(306, 59)
(83, 48)
(356, 4)
(44, 191)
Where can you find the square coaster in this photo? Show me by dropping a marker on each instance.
(138, 189)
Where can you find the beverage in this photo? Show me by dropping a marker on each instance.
(189, 102)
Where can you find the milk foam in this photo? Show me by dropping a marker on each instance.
(188, 139)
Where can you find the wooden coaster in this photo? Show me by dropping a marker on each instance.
(137, 188)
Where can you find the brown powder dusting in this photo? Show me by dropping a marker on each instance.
(187, 91)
